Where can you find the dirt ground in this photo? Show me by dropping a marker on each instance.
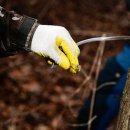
(35, 97)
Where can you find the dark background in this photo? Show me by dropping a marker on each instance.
(32, 95)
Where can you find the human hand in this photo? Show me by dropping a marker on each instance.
(55, 42)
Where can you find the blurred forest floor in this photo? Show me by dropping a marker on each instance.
(35, 97)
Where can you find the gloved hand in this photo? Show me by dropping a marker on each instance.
(55, 42)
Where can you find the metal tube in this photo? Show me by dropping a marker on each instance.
(99, 39)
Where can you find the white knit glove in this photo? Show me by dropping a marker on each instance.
(55, 42)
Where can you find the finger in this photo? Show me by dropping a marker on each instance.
(60, 58)
(76, 47)
(70, 40)
(70, 54)
(49, 61)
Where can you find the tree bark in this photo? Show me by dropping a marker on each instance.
(123, 122)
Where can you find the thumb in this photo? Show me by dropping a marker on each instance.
(60, 58)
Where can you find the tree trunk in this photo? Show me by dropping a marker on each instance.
(123, 122)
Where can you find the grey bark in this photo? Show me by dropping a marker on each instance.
(123, 122)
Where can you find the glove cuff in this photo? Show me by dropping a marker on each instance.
(22, 37)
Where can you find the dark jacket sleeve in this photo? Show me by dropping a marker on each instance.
(16, 32)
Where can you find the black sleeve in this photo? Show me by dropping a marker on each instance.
(16, 32)
(127, 4)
